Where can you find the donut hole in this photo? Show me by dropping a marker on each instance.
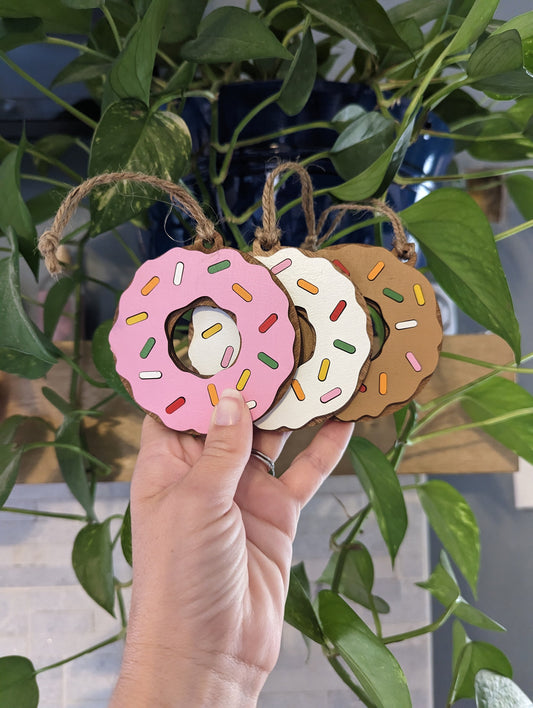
(380, 329)
(308, 336)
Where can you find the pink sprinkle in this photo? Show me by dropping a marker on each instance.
(281, 266)
(330, 395)
(411, 358)
(227, 357)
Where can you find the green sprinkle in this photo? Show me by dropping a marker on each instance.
(216, 267)
(268, 360)
(344, 346)
(392, 294)
(150, 342)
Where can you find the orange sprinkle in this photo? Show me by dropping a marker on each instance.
(241, 292)
(139, 317)
(300, 395)
(383, 383)
(243, 380)
(376, 270)
(305, 285)
(150, 285)
(213, 395)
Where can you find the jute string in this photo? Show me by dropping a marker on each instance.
(268, 235)
(50, 239)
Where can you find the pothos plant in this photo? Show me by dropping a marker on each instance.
(142, 61)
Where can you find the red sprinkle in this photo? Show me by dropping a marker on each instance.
(339, 265)
(337, 312)
(267, 324)
(362, 388)
(172, 407)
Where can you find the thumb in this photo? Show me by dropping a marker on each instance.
(227, 448)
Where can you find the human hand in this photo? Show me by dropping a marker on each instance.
(212, 545)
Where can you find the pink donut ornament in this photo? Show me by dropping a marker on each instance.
(180, 279)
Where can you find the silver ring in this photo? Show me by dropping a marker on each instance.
(266, 459)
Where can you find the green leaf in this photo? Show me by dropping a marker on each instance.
(56, 400)
(421, 11)
(83, 4)
(131, 75)
(347, 115)
(357, 578)
(82, 68)
(523, 24)
(181, 79)
(520, 188)
(372, 663)
(56, 17)
(442, 584)
(380, 482)
(18, 686)
(299, 611)
(300, 78)
(130, 137)
(231, 34)
(493, 690)
(9, 468)
(182, 20)
(454, 523)
(53, 145)
(8, 428)
(459, 246)
(125, 537)
(92, 560)
(497, 397)
(72, 462)
(44, 205)
(474, 657)
(459, 640)
(14, 212)
(104, 360)
(24, 350)
(56, 300)
(17, 32)
(473, 25)
(497, 65)
(361, 143)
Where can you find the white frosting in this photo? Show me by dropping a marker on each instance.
(209, 354)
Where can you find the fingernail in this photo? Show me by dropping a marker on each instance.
(229, 408)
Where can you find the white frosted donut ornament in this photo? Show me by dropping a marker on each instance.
(163, 288)
(408, 306)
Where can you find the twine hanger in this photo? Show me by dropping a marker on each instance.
(50, 239)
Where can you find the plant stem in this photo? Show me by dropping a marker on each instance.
(345, 676)
(46, 92)
(80, 47)
(514, 230)
(50, 514)
(111, 22)
(346, 547)
(82, 373)
(104, 401)
(131, 253)
(501, 171)
(100, 645)
(486, 364)
(55, 163)
(121, 605)
(71, 448)
(276, 134)
(267, 19)
(423, 630)
(167, 59)
(46, 180)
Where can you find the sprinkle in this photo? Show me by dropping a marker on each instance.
(267, 360)
(421, 300)
(300, 395)
(241, 292)
(341, 267)
(172, 407)
(178, 273)
(406, 324)
(305, 285)
(216, 267)
(150, 285)
(150, 375)
(148, 346)
(251, 404)
(139, 317)
(348, 348)
(227, 357)
(383, 383)
(338, 310)
(267, 324)
(376, 270)
(243, 380)
(282, 265)
(324, 368)
(393, 295)
(411, 358)
(362, 388)
(210, 331)
(330, 395)
(213, 395)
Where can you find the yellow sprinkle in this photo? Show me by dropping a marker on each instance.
(213, 395)
(305, 285)
(376, 270)
(324, 368)
(139, 317)
(383, 383)
(419, 294)
(211, 330)
(243, 380)
(150, 285)
(300, 395)
(241, 292)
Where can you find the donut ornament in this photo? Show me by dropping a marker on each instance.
(403, 303)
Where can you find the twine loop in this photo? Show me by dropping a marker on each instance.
(49, 241)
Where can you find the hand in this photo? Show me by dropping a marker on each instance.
(212, 545)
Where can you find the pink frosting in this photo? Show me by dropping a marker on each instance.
(229, 287)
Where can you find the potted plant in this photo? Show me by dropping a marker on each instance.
(160, 77)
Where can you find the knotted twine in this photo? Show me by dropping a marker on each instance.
(50, 239)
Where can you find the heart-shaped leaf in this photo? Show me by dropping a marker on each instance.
(18, 686)
(299, 611)
(300, 78)
(72, 462)
(92, 560)
(17, 32)
(474, 657)
(56, 300)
